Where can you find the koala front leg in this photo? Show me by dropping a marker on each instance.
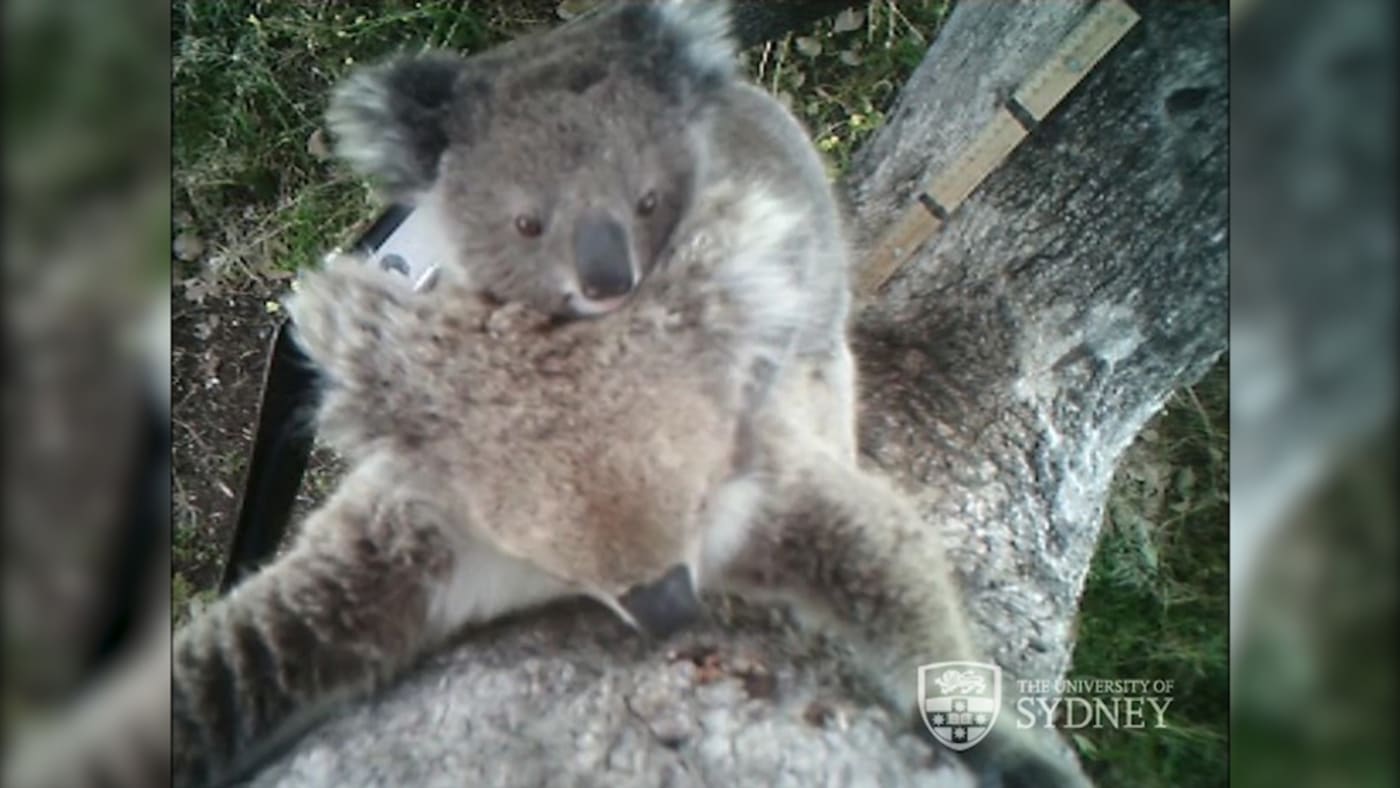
(349, 605)
(843, 544)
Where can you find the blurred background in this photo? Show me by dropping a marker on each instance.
(1312, 392)
(92, 256)
(86, 525)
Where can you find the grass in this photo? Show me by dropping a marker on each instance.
(1316, 687)
(1155, 605)
(843, 76)
(251, 80)
(250, 84)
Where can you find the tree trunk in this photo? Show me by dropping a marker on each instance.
(1009, 364)
(1005, 369)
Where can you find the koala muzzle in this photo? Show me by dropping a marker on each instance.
(663, 606)
(603, 259)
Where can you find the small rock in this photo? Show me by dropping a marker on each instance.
(188, 247)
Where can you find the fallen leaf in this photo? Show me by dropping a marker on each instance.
(848, 20)
(809, 46)
(317, 146)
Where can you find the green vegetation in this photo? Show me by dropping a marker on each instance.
(1156, 602)
(250, 85)
(251, 80)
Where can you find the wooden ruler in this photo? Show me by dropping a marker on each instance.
(1082, 48)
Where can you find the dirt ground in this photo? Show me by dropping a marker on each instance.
(220, 343)
(221, 340)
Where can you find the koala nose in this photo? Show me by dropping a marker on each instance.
(603, 260)
(663, 606)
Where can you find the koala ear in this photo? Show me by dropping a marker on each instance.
(684, 47)
(391, 121)
(703, 28)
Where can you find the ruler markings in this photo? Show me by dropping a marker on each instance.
(1078, 52)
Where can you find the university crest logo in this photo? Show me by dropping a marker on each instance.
(959, 701)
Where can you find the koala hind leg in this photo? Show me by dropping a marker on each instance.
(845, 546)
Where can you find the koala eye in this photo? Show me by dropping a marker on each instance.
(647, 204)
(528, 226)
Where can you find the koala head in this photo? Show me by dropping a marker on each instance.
(559, 165)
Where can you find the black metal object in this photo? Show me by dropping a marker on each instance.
(281, 450)
(285, 433)
(284, 438)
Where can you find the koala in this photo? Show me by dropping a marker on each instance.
(560, 166)
(500, 459)
(695, 435)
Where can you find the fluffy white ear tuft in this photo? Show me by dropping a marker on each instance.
(366, 134)
(705, 26)
(389, 120)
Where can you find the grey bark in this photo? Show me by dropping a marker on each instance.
(1010, 364)
(1005, 370)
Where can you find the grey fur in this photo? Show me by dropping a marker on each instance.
(501, 459)
(634, 105)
